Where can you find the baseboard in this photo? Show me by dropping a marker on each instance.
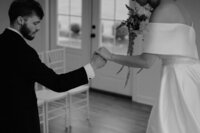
(144, 100)
(140, 101)
(110, 93)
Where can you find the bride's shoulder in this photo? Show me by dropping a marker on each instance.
(166, 13)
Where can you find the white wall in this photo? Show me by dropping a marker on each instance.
(4, 22)
(194, 8)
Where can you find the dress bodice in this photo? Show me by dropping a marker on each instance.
(174, 39)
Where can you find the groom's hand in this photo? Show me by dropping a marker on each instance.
(97, 61)
(105, 53)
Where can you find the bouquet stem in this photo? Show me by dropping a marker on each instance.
(134, 23)
(132, 36)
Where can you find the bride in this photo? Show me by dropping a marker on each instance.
(170, 37)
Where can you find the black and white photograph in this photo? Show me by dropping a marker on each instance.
(100, 66)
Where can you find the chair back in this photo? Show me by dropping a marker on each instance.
(56, 60)
(42, 58)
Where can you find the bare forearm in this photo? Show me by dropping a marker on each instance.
(144, 60)
(137, 61)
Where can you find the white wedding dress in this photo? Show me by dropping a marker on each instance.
(178, 106)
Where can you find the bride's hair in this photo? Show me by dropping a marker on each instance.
(154, 3)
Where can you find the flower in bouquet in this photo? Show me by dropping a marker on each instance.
(138, 18)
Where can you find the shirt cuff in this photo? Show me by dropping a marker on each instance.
(90, 71)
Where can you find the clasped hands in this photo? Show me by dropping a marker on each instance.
(100, 57)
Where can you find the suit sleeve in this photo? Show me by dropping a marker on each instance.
(37, 71)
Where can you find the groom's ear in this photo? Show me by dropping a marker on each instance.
(20, 20)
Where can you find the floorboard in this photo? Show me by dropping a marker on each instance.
(109, 113)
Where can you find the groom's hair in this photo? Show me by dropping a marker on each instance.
(24, 8)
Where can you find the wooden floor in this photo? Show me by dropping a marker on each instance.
(108, 114)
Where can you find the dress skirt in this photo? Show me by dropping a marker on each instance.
(178, 107)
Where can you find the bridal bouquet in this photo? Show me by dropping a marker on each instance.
(136, 23)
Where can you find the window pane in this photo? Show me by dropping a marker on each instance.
(75, 32)
(76, 8)
(69, 23)
(63, 7)
(63, 29)
(107, 9)
(115, 40)
(113, 12)
(121, 10)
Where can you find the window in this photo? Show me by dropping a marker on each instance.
(112, 13)
(69, 22)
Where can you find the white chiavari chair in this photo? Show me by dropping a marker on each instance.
(41, 110)
(56, 105)
(41, 103)
(78, 99)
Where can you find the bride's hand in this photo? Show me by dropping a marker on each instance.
(105, 53)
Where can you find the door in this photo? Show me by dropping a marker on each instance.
(70, 29)
(107, 15)
(81, 27)
(142, 87)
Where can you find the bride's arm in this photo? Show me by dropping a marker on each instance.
(144, 60)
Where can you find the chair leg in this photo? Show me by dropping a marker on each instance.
(70, 110)
(88, 108)
(46, 118)
(87, 105)
(67, 114)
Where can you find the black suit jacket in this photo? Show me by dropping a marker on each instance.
(20, 69)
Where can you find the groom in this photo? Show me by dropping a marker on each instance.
(22, 67)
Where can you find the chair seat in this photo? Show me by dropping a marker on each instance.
(49, 95)
(78, 89)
